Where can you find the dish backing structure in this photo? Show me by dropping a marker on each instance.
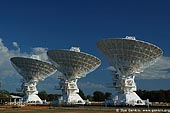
(128, 56)
(32, 70)
(73, 64)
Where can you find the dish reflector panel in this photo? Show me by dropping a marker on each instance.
(74, 63)
(128, 55)
(32, 69)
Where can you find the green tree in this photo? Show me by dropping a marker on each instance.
(52, 97)
(107, 95)
(167, 94)
(43, 95)
(154, 96)
(89, 97)
(98, 96)
(4, 96)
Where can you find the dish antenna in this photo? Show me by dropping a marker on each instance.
(128, 56)
(74, 65)
(32, 70)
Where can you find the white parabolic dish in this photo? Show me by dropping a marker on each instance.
(72, 63)
(32, 69)
(129, 55)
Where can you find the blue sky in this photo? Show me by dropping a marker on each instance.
(60, 24)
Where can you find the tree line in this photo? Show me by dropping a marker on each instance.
(153, 96)
(97, 96)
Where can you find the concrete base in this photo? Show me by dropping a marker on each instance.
(126, 99)
(32, 99)
(72, 99)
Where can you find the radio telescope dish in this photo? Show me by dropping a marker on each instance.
(32, 71)
(128, 56)
(74, 65)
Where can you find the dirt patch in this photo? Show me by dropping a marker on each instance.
(79, 109)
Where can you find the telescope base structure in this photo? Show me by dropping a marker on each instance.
(31, 92)
(126, 95)
(127, 99)
(72, 99)
(32, 99)
(70, 92)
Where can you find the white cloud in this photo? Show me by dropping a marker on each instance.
(91, 85)
(41, 52)
(15, 44)
(7, 71)
(111, 68)
(6, 68)
(160, 70)
(3, 49)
